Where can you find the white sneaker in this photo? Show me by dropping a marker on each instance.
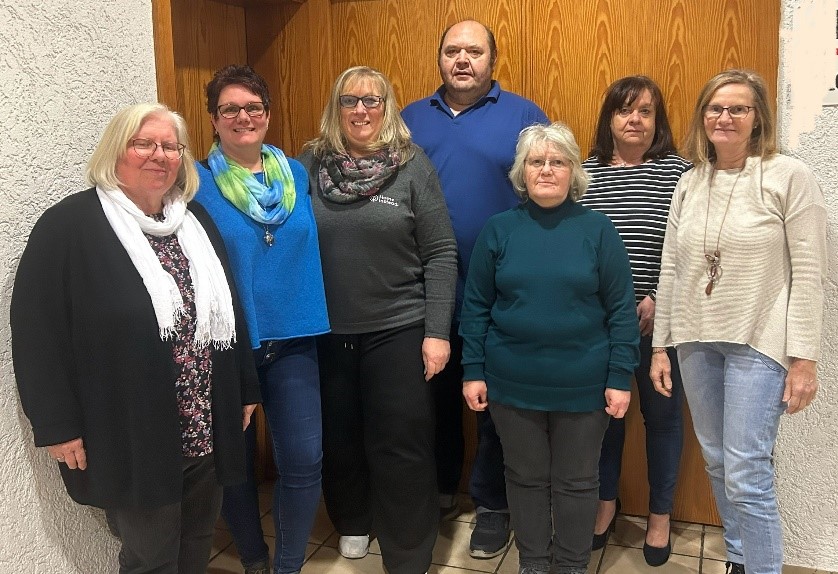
(354, 546)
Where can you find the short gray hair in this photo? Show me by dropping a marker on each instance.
(559, 136)
(101, 168)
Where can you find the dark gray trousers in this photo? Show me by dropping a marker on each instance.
(176, 538)
(552, 482)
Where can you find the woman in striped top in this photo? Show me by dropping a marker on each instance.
(634, 171)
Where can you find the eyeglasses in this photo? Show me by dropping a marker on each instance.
(146, 148)
(350, 101)
(626, 111)
(253, 109)
(712, 111)
(538, 163)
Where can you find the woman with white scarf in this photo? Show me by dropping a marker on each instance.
(124, 341)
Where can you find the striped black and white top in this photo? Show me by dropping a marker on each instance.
(637, 199)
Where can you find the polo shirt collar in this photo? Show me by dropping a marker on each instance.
(438, 100)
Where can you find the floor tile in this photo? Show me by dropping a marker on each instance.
(323, 527)
(685, 541)
(452, 544)
(617, 560)
(329, 561)
(629, 532)
(712, 566)
(714, 544)
(220, 541)
(225, 563)
(622, 555)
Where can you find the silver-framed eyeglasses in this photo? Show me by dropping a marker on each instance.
(350, 101)
(539, 163)
(146, 148)
(253, 109)
(738, 112)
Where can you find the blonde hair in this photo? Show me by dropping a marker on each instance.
(394, 136)
(559, 136)
(113, 145)
(763, 142)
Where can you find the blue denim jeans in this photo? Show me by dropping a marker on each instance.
(663, 419)
(735, 397)
(290, 384)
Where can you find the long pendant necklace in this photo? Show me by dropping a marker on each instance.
(714, 260)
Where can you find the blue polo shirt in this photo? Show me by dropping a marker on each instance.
(472, 153)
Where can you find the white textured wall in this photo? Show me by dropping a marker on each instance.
(65, 68)
(807, 450)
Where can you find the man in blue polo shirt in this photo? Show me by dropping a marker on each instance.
(469, 128)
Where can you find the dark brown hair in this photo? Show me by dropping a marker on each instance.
(244, 76)
(623, 92)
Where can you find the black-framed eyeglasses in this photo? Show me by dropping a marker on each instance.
(253, 109)
(146, 148)
(738, 112)
(350, 101)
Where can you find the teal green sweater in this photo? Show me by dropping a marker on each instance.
(549, 317)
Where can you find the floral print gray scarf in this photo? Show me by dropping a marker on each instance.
(346, 179)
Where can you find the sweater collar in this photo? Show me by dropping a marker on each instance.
(536, 210)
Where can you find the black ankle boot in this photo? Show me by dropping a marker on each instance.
(734, 568)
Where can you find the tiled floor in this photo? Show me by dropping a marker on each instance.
(695, 549)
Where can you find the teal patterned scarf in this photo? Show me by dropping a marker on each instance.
(268, 204)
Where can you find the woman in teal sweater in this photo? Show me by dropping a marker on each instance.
(550, 335)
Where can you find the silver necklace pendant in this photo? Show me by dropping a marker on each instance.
(268, 237)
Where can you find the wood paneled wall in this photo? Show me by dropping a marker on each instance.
(561, 54)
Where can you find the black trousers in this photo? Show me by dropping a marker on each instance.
(378, 443)
(176, 538)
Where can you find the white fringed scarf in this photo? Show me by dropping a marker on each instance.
(216, 324)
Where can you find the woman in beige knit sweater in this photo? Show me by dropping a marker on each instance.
(741, 298)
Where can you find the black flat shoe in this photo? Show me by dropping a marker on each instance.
(599, 540)
(657, 556)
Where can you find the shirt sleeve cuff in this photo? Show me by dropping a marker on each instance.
(618, 381)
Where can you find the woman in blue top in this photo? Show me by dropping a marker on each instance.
(259, 199)
(550, 342)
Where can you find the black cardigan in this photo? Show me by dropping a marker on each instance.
(89, 362)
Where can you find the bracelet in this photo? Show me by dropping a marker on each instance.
(661, 350)
(653, 295)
